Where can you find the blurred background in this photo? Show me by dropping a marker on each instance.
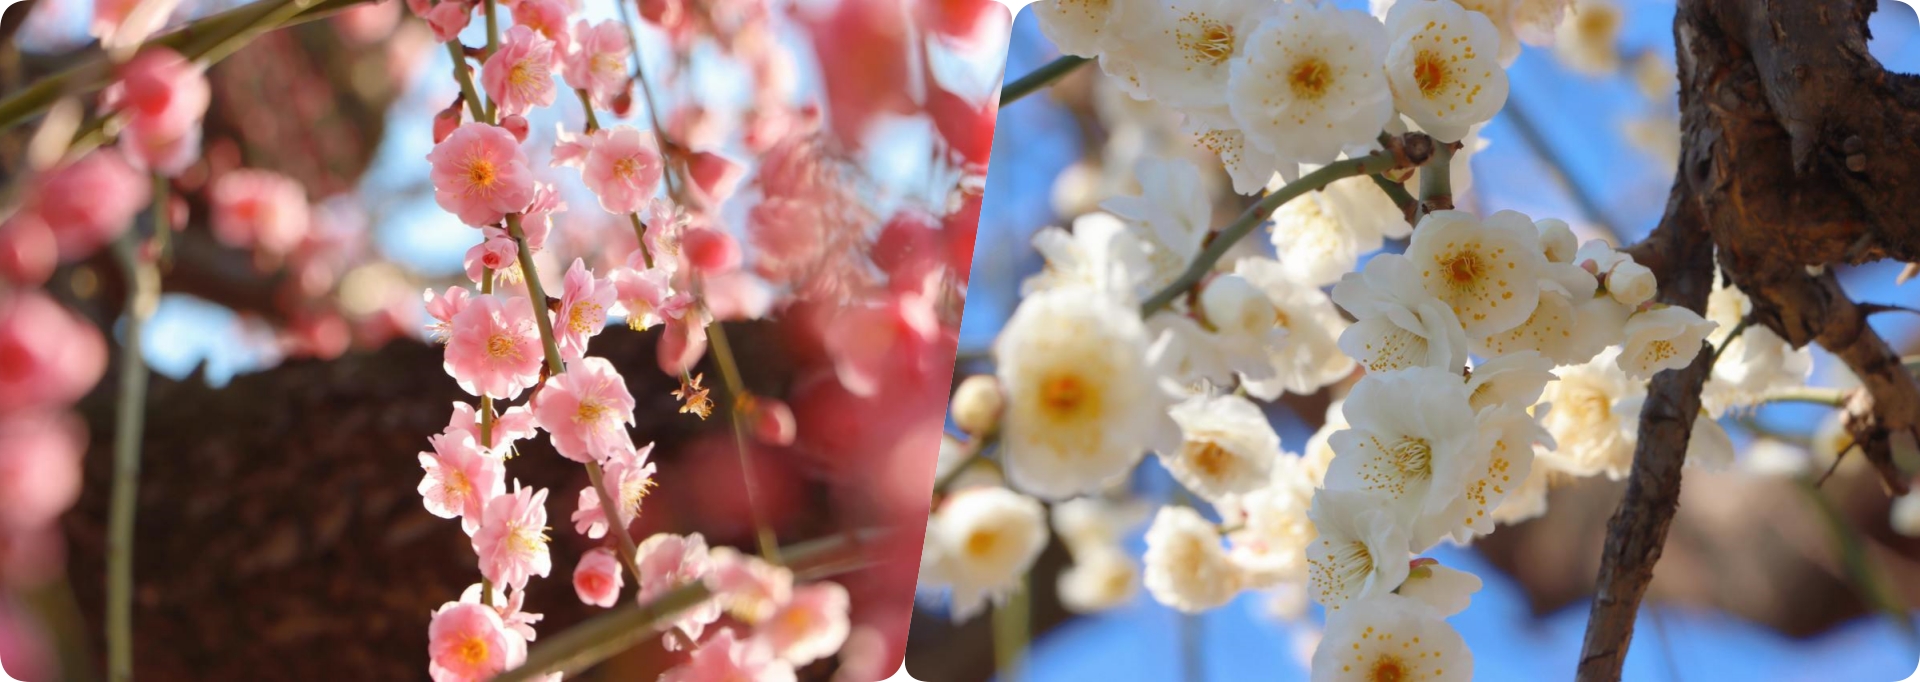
(279, 532)
(1762, 578)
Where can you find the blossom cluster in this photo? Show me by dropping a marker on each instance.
(1495, 355)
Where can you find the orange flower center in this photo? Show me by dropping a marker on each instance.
(1430, 72)
(1310, 78)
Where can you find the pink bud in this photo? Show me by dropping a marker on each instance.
(773, 422)
(596, 579)
(681, 345)
(445, 122)
(623, 103)
(712, 252)
(28, 251)
(517, 125)
(714, 174)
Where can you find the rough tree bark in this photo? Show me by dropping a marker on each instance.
(1799, 154)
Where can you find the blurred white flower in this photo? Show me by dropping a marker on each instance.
(979, 543)
(1390, 638)
(1754, 364)
(1172, 215)
(1227, 446)
(1187, 568)
(1307, 358)
(1587, 411)
(1587, 41)
(1270, 528)
(1098, 581)
(1090, 524)
(1100, 253)
(1906, 515)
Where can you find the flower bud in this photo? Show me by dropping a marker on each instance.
(623, 102)
(977, 404)
(712, 252)
(1556, 240)
(517, 125)
(773, 422)
(1234, 305)
(445, 122)
(1631, 283)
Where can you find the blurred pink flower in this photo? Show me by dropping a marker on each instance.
(116, 23)
(712, 252)
(467, 642)
(682, 344)
(91, 201)
(716, 176)
(668, 562)
(460, 479)
(585, 301)
(548, 18)
(628, 476)
(512, 540)
(596, 579)
(480, 174)
(495, 348)
(622, 168)
(967, 126)
(737, 295)
(497, 253)
(748, 587)
(164, 97)
(519, 75)
(598, 63)
(49, 357)
(449, 18)
(725, 658)
(257, 209)
(810, 627)
(40, 455)
(584, 410)
(862, 47)
(868, 343)
(28, 252)
(773, 422)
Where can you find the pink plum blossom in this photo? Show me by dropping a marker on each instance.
(164, 97)
(91, 201)
(682, 344)
(512, 540)
(467, 642)
(442, 308)
(598, 62)
(584, 410)
(585, 301)
(449, 18)
(809, 627)
(748, 587)
(570, 148)
(460, 478)
(647, 297)
(548, 18)
(495, 347)
(519, 75)
(669, 561)
(480, 174)
(511, 426)
(716, 176)
(712, 252)
(623, 169)
(28, 252)
(537, 221)
(724, 658)
(39, 467)
(628, 476)
(49, 357)
(508, 604)
(498, 253)
(597, 578)
(256, 209)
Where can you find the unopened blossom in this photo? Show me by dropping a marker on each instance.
(1227, 446)
(1413, 441)
(1631, 283)
(467, 642)
(1444, 67)
(598, 62)
(495, 348)
(497, 254)
(586, 410)
(1098, 581)
(980, 542)
(1308, 357)
(49, 356)
(1400, 324)
(977, 403)
(811, 626)
(1099, 253)
(1488, 270)
(1273, 529)
(1082, 405)
(1076, 27)
(751, 589)
(585, 301)
(1250, 167)
(596, 579)
(480, 174)
(1361, 553)
(1557, 241)
(163, 98)
(1308, 85)
(1666, 337)
(1587, 42)
(622, 168)
(449, 18)
(461, 478)
(669, 562)
(1586, 413)
(512, 540)
(1172, 215)
(1390, 637)
(722, 657)
(1179, 50)
(40, 453)
(1187, 568)
(90, 202)
(519, 75)
(629, 477)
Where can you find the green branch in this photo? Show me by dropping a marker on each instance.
(143, 292)
(537, 297)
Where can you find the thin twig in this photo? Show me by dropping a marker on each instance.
(740, 400)
(143, 287)
(1040, 78)
(616, 520)
(463, 73)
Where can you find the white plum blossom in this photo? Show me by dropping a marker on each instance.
(1180, 49)
(1513, 379)
(1172, 215)
(1307, 358)
(1447, 591)
(1361, 553)
(1557, 241)
(979, 543)
(1488, 270)
(1400, 324)
(1187, 568)
(1391, 638)
(1318, 453)
(1099, 253)
(1086, 524)
(1444, 67)
(1321, 235)
(1227, 446)
(1309, 85)
(1250, 167)
(1245, 323)
(1271, 527)
(1076, 27)
(1083, 405)
(1753, 364)
(1510, 435)
(1665, 337)
(1587, 41)
(1098, 581)
(1413, 441)
(1587, 413)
